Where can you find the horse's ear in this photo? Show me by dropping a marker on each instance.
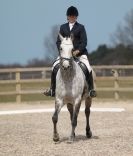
(61, 37)
(72, 36)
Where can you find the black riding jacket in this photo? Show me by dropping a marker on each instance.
(79, 34)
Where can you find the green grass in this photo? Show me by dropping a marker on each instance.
(7, 98)
(35, 86)
(35, 97)
(41, 86)
(126, 84)
(7, 87)
(104, 84)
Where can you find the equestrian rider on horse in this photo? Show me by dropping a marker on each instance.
(79, 42)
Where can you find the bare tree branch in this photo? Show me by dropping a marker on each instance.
(50, 44)
(124, 32)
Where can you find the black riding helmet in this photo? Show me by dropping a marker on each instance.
(72, 11)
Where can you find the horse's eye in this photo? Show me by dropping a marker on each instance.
(60, 49)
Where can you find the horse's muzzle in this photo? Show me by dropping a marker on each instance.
(66, 68)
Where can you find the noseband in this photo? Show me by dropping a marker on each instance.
(66, 59)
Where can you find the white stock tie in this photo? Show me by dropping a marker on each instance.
(71, 26)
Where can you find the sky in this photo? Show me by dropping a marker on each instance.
(24, 24)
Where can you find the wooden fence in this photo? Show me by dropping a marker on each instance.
(18, 81)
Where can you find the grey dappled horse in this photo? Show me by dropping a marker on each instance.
(70, 89)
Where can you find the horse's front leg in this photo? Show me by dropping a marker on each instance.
(70, 109)
(74, 120)
(58, 106)
(87, 113)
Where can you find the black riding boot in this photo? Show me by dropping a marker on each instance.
(92, 92)
(51, 91)
(89, 80)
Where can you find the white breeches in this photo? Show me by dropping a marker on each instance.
(82, 58)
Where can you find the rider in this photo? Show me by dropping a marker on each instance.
(79, 42)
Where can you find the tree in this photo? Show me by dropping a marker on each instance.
(96, 56)
(124, 32)
(50, 44)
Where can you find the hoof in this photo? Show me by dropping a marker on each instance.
(88, 134)
(71, 140)
(56, 138)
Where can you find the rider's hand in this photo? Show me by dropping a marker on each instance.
(75, 52)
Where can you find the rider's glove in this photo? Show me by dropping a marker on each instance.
(75, 52)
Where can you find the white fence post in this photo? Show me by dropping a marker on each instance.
(116, 84)
(18, 87)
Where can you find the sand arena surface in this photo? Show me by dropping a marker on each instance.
(31, 134)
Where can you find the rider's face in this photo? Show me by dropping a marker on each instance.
(71, 19)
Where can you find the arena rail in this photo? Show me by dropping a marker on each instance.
(18, 81)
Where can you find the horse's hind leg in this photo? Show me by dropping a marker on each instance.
(58, 107)
(87, 113)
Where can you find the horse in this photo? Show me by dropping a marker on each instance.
(71, 88)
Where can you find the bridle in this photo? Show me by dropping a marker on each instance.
(65, 58)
